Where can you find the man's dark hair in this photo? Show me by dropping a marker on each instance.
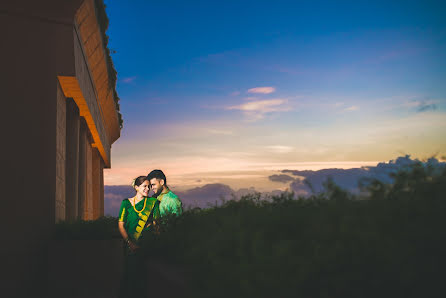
(158, 174)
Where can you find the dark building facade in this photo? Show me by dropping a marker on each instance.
(60, 118)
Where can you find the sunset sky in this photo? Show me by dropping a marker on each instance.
(233, 91)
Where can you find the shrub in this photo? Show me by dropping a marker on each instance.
(102, 228)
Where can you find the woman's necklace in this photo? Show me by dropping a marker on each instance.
(134, 205)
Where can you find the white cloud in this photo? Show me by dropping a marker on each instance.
(280, 149)
(128, 80)
(255, 110)
(352, 108)
(262, 90)
(263, 106)
(220, 132)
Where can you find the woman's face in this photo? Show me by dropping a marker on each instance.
(143, 189)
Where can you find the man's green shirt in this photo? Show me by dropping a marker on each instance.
(170, 204)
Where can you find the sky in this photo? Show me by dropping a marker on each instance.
(234, 91)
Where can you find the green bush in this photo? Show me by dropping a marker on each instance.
(102, 228)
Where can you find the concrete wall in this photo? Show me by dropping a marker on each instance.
(61, 137)
(88, 91)
(82, 188)
(96, 183)
(101, 192)
(91, 38)
(34, 50)
(88, 215)
(72, 161)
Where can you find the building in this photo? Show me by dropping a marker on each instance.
(87, 121)
(60, 118)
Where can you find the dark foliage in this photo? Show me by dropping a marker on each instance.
(333, 244)
(102, 228)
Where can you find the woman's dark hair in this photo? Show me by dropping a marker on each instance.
(158, 174)
(138, 180)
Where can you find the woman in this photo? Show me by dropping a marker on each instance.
(136, 215)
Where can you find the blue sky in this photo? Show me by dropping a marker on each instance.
(239, 88)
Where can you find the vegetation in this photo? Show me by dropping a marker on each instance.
(389, 243)
(102, 228)
(333, 244)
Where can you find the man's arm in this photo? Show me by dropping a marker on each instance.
(174, 206)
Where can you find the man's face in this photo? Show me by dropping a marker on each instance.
(157, 186)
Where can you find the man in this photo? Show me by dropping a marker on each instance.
(170, 204)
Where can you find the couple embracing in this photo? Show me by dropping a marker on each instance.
(140, 214)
